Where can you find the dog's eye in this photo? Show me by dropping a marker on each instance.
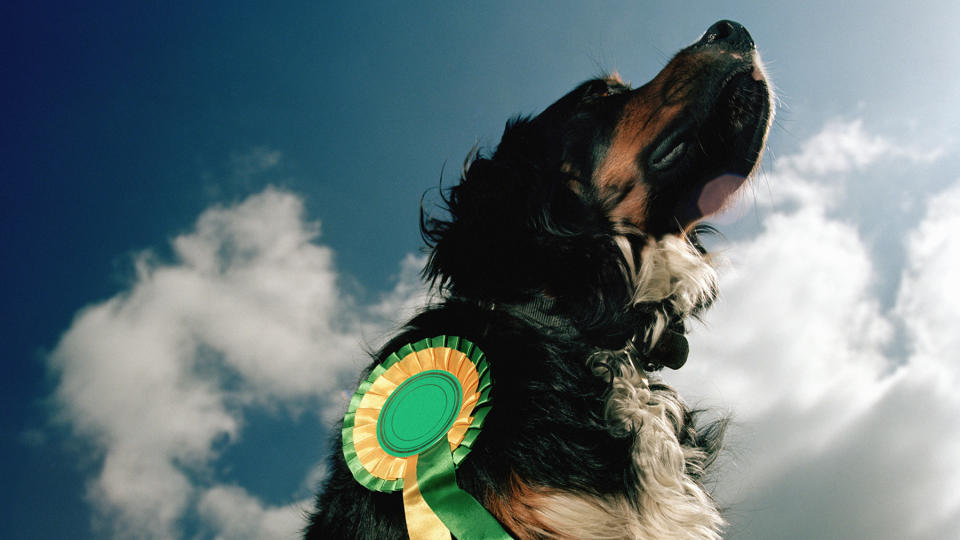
(667, 153)
(671, 156)
(602, 88)
(597, 90)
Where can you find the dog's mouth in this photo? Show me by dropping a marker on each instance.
(702, 160)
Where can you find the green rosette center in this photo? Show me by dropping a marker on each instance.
(419, 413)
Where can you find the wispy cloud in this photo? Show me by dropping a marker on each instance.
(255, 161)
(844, 146)
(814, 176)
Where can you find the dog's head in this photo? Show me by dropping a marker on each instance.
(573, 198)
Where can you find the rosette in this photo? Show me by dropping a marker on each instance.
(411, 422)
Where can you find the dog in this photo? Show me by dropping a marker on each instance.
(572, 257)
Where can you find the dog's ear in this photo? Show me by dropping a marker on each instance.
(516, 228)
(481, 249)
(513, 219)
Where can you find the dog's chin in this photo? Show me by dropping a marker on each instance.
(737, 126)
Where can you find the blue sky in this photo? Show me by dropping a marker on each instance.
(207, 211)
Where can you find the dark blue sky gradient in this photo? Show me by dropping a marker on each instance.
(121, 121)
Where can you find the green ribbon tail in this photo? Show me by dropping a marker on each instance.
(462, 514)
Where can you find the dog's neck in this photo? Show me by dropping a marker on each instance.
(670, 349)
(672, 279)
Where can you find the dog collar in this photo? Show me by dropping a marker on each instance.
(411, 422)
(671, 350)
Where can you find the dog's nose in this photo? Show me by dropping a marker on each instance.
(729, 34)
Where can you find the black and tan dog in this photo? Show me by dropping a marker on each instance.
(570, 257)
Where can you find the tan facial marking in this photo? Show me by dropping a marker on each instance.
(633, 207)
(643, 118)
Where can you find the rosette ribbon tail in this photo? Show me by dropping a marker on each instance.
(466, 518)
(422, 523)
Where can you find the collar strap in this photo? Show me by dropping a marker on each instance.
(670, 351)
(542, 310)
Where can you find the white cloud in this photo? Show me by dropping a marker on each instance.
(236, 515)
(928, 306)
(835, 436)
(929, 289)
(248, 314)
(795, 332)
(316, 476)
(408, 295)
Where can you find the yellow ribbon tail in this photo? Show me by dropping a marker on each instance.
(422, 522)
